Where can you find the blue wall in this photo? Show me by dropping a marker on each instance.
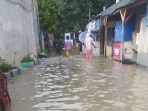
(129, 28)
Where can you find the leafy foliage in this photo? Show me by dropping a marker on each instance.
(27, 59)
(69, 15)
(48, 14)
(74, 14)
(4, 66)
(45, 51)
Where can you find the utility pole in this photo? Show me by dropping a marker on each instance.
(89, 13)
(105, 45)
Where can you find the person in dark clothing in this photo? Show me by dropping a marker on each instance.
(80, 47)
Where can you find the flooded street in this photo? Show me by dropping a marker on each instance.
(74, 84)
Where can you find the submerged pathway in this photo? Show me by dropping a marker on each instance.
(73, 84)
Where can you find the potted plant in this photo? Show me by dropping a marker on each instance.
(4, 66)
(44, 53)
(8, 69)
(27, 62)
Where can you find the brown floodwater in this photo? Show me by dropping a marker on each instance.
(74, 84)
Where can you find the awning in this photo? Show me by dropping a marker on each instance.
(116, 6)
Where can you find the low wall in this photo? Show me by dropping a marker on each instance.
(142, 59)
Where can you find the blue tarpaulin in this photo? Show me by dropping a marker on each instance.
(82, 36)
(129, 28)
(94, 25)
(97, 26)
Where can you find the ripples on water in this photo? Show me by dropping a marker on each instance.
(77, 85)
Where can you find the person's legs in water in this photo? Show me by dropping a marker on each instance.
(90, 55)
(67, 53)
(70, 53)
(80, 48)
(87, 54)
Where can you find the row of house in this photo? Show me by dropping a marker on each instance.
(19, 33)
(122, 31)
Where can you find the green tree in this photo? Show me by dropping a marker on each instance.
(48, 14)
(69, 15)
(73, 15)
(48, 18)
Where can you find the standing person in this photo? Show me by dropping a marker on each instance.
(58, 46)
(88, 44)
(80, 47)
(68, 46)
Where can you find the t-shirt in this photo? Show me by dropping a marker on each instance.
(68, 45)
(88, 43)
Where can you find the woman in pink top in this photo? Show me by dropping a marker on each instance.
(68, 46)
(88, 43)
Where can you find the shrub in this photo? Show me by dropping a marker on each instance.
(4, 66)
(27, 59)
(45, 51)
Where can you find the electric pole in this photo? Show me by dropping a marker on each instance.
(89, 13)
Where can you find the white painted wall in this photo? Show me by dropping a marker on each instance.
(109, 51)
(142, 43)
(18, 35)
(96, 50)
(142, 39)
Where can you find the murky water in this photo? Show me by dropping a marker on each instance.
(73, 84)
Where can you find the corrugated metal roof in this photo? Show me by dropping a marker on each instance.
(116, 6)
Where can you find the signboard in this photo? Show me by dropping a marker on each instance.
(116, 52)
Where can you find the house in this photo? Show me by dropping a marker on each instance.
(124, 24)
(112, 24)
(18, 30)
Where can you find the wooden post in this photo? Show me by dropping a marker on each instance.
(105, 48)
(89, 13)
(102, 41)
(123, 16)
